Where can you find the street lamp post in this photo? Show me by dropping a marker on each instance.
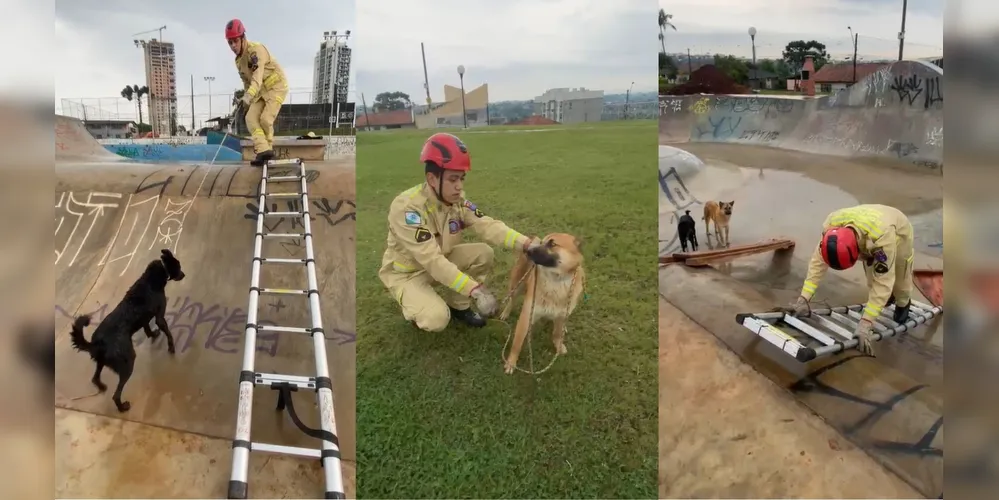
(627, 99)
(461, 76)
(752, 39)
(209, 79)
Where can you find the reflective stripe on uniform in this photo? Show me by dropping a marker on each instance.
(872, 311)
(808, 288)
(459, 283)
(257, 131)
(511, 238)
(271, 80)
(252, 91)
(865, 219)
(403, 268)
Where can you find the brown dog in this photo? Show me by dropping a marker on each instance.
(552, 287)
(720, 213)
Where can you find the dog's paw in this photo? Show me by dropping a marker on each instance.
(508, 368)
(561, 349)
(155, 334)
(124, 406)
(171, 350)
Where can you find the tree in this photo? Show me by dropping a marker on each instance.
(735, 68)
(795, 52)
(391, 101)
(665, 21)
(135, 92)
(667, 66)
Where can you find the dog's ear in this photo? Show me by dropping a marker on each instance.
(166, 253)
(578, 241)
(731, 203)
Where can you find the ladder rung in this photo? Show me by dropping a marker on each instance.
(283, 291)
(284, 178)
(284, 329)
(284, 235)
(282, 195)
(269, 260)
(289, 161)
(282, 214)
(269, 379)
(286, 450)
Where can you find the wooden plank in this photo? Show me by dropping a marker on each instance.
(740, 251)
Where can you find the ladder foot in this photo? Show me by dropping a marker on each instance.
(335, 494)
(237, 489)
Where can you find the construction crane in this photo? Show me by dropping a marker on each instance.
(160, 30)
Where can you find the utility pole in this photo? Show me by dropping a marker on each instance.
(689, 66)
(854, 36)
(901, 34)
(365, 104)
(192, 103)
(426, 79)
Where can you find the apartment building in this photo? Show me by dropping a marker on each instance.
(566, 105)
(331, 69)
(161, 78)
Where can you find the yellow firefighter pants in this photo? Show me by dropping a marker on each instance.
(261, 115)
(420, 302)
(903, 272)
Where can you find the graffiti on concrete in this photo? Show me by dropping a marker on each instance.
(844, 143)
(759, 135)
(910, 88)
(672, 105)
(680, 199)
(902, 149)
(333, 213)
(703, 105)
(216, 327)
(720, 128)
(934, 137)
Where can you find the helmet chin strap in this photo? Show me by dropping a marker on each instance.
(440, 188)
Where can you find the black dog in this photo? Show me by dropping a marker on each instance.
(687, 231)
(111, 344)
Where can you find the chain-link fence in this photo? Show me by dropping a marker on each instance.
(646, 110)
(194, 112)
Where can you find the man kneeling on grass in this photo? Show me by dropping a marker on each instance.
(424, 243)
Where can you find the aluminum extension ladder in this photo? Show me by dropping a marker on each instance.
(329, 452)
(829, 331)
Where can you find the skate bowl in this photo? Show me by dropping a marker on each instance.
(890, 406)
(895, 113)
(787, 163)
(177, 153)
(112, 218)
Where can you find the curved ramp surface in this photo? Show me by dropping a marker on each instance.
(890, 406)
(896, 112)
(74, 142)
(112, 218)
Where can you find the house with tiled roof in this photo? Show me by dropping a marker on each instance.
(836, 76)
(382, 120)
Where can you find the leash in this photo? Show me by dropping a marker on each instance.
(510, 328)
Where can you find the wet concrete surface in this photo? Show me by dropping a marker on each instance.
(728, 432)
(112, 219)
(890, 406)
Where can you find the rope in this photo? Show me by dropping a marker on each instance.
(510, 328)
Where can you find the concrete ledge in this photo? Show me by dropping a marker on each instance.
(306, 149)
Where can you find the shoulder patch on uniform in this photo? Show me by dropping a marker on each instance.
(413, 218)
(879, 255)
(880, 268)
(253, 62)
(453, 226)
(471, 206)
(423, 235)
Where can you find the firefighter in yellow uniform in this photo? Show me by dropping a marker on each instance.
(425, 246)
(264, 89)
(882, 237)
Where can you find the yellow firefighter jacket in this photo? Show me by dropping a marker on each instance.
(885, 239)
(422, 230)
(259, 70)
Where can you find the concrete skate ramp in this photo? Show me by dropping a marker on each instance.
(74, 142)
(890, 406)
(896, 112)
(112, 218)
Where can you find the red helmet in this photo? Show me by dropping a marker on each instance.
(234, 29)
(447, 152)
(839, 248)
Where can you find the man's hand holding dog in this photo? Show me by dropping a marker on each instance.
(535, 242)
(485, 302)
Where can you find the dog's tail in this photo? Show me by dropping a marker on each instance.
(76, 334)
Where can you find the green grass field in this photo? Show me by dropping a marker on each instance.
(436, 415)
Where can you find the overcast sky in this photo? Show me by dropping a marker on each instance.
(96, 57)
(721, 26)
(521, 48)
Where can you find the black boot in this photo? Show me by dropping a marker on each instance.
(469, 317)
(262, 158)
(901, 313)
